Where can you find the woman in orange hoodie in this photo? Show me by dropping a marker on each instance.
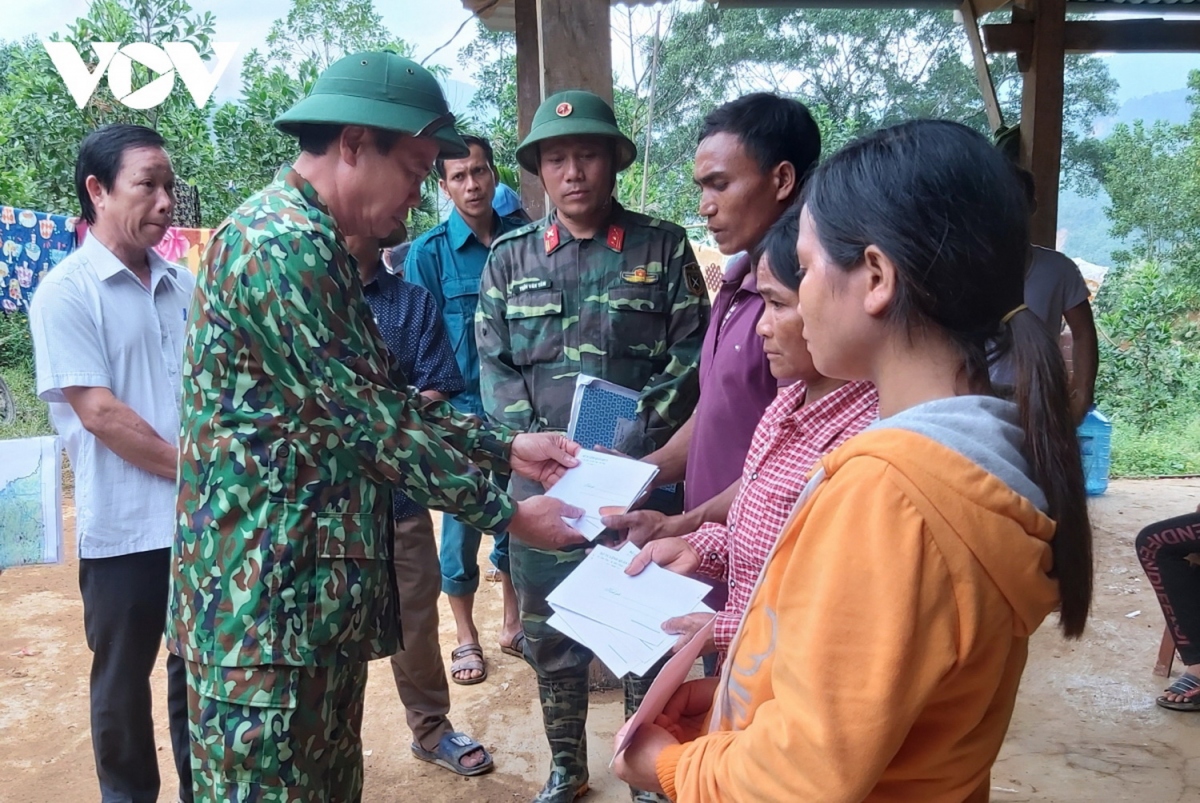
(880, 655)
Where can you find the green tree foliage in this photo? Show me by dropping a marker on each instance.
(41, 127)
(322, 31)
(1152, 176)
(1150, 344)
(858, 69)
(1148, 311)
(248, 146)
(227, 150)
(492, 56)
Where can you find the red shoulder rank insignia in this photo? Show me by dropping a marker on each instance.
(616, 238)
(550, 238)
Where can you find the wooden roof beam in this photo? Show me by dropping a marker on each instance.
(987, 87)
(1107, 36)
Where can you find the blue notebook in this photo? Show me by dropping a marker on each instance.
(600, 410)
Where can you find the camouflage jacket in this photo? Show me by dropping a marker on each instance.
(296, 425)
(629, 306)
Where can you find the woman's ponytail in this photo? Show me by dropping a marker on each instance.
(1041, 393)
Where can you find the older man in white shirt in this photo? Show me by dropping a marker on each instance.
(108, 330)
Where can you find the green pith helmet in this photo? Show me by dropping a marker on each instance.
(574, 113)
(380, 90)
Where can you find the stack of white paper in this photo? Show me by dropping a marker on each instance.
(601, 481)
(619, 617)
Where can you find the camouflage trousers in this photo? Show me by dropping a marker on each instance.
(276, 734)
(561, 665)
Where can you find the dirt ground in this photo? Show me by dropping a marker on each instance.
(1086, 728)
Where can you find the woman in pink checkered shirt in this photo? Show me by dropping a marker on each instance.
(808, 420)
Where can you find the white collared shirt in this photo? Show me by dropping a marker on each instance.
(95, 324)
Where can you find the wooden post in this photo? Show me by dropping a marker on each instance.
(575, 39)
(529, 96)
(1166, 655)
(1042, 110)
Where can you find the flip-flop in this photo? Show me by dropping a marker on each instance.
(515, 648)
(466, 658)
(1185, 684)
(449, 752)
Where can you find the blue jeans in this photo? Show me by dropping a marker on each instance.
(459, 554)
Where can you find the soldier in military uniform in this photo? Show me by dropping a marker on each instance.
(296, 428)
(595, 289)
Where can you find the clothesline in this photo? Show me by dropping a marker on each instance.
(33, 242)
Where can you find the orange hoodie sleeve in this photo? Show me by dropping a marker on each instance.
(859, 605)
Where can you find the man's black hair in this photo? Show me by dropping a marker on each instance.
(470, 139)
(772, 129)
(101, 154)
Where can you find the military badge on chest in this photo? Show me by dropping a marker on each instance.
(642, 275)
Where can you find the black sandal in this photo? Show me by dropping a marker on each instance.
(1187, 685)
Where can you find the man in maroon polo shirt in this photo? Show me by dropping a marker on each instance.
(753, 156)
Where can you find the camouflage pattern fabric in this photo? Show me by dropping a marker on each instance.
(629, 306)
(535, 573)
(564, 715)
(296, 426)
(276, 734)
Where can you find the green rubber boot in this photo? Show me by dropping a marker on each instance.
(564, 712)
(635, 692)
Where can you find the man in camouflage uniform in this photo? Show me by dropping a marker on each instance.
(296, 427)
(593, 289)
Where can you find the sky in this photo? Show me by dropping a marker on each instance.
(425, 23)
(430, 23)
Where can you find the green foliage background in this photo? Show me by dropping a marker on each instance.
(1148, 311)
(16, 369)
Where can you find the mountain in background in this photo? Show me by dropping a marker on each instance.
(1081, 218)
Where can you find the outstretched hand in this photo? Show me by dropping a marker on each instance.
(686, 627)
(635, 766)
(543, 456)
(684, 719)
(686, 714)
(643, 526)
(539, 524)
(674, 554)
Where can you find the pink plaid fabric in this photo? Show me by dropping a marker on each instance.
(787, 445)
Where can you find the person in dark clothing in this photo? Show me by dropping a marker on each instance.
(1170, 551)
(412, 327)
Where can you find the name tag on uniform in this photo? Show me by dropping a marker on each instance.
(527, 286)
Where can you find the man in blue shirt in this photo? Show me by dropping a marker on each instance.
(412, 328)
(448, 261)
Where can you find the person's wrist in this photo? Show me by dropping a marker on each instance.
(688, 522)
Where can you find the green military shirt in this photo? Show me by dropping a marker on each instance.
(628, 306)
(296, 425)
